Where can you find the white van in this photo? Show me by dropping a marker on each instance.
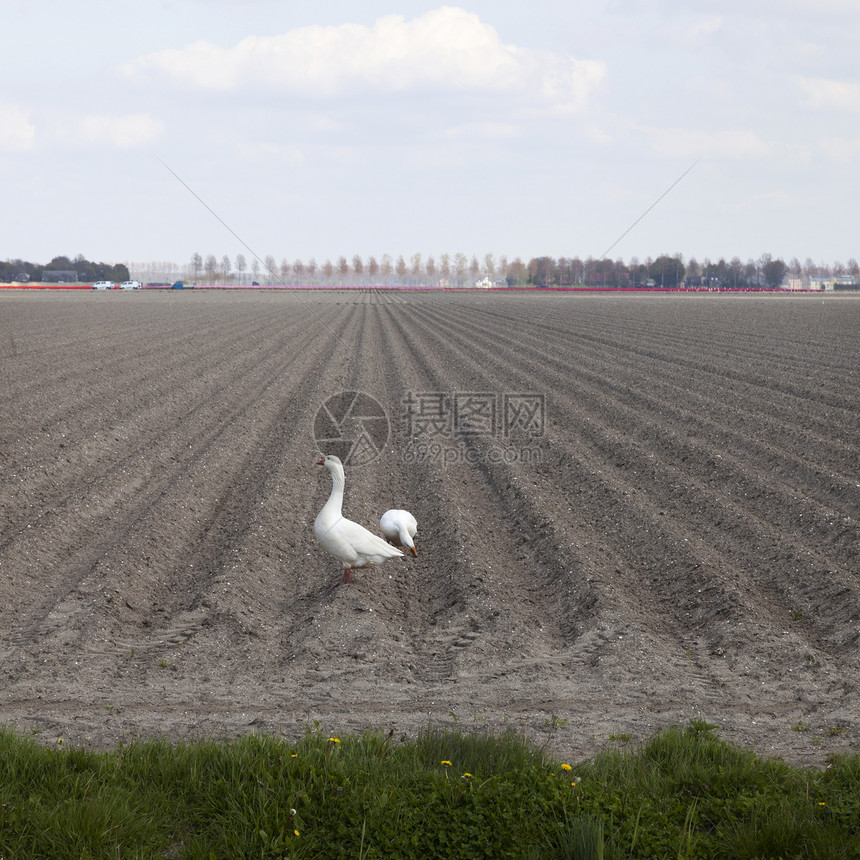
(130, 285)
(103, 285)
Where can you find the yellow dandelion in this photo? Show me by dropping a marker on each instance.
(467, 774)
(566, 767)
(335, 740)
(446, 763)
(294, 755)
(821, 803)
(296, 832)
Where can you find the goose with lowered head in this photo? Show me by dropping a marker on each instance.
(352, 544)
(399, 527)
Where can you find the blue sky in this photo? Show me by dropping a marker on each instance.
(315, 130)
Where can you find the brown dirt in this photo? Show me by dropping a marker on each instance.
(681, 541)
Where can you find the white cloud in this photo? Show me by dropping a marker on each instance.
(765, 200)
(697, 143)
(821, 93)
(842, 150)
(566, 83)
(17, 133)
(701, 29)
(691, 30)
(482, 131)
(445, 50)
(268, 151)
(769, 8)
(122, 132)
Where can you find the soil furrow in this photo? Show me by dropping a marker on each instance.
(96, 542)
(680, 539)
(714, 543)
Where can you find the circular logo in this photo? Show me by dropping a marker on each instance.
(351, 425)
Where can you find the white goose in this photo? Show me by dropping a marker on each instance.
(353, 544)
(400, 527)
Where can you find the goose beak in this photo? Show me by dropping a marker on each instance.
(414, 551)
(320, 462)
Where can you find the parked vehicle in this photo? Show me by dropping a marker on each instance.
(103, 285)
(130, 285)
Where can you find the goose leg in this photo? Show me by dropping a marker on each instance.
(346, 579)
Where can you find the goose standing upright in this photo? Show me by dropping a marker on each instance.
(346, 540)
(400, 526)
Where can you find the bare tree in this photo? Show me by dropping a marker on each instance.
(285, 271)
(694, 271)
(562, 270)
(387, 268)
(400, 268)
(196, 264)
(518, 271)
(271, 269)
(342, 269)
(241, 265)
(312, 269)
(736, 268)
(430, 268)
(328, 270)
(255, 270)
(298, 269)
(358, 268)
(502, 268)
(490, 267)
(211, 267)
(445, 269)
(372, 268)
(460, 263)
(416, 267)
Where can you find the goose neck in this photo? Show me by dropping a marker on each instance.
(337, 483)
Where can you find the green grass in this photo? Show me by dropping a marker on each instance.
(445, 794)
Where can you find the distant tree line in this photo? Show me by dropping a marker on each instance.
(448, 270)
(82, 269)
(458, 270)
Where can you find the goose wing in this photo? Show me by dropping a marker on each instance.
(353, 544)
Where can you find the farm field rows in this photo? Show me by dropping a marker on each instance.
(633, 511)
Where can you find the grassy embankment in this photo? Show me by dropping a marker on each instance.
(684, 793)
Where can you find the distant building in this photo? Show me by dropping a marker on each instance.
(832, 282)
(54, 276)
(821, 283)
(828, 283)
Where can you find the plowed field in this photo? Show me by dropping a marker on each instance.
(633, 511)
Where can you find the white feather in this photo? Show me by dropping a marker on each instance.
(399, 526)
(350, 543)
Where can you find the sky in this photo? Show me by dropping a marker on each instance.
(151, 130)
